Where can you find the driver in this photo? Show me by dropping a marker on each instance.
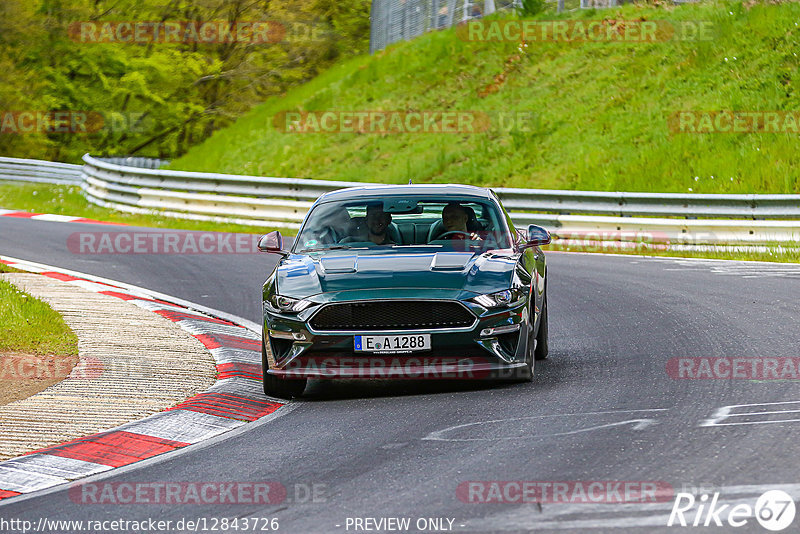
(454, 219)
(378, 224)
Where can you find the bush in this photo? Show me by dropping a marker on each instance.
(529, 8)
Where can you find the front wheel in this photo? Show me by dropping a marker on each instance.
(281, 388)
(525, 374)
(527, 371)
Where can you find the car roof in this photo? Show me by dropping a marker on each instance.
(442, 190)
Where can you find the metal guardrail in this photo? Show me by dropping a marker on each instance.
(33, 170)
(138, 185)
(621, 204)
(283, 202)
(135, 161)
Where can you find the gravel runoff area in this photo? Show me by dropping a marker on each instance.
(132, 363)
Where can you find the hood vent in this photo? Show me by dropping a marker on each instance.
(450, 261)
(339, 264)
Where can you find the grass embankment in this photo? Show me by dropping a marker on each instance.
(601, 109)
(68, 200)
(37, 349)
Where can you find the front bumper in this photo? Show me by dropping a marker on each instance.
(493, 347)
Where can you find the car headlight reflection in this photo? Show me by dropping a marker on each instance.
(282, 304)
(501, 299)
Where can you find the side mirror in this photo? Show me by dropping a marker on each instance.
(272, 242)
(537, 236)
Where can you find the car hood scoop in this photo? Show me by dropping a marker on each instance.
(450, 261)
(339, 264)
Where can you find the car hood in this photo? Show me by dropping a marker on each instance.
(301, 276)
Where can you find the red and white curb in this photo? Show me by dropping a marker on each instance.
(236, 399)
(51, 217)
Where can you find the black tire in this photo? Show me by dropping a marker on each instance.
(526, 373)
(541, 336)
(280, 388)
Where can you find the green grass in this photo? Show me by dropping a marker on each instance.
(68, 200)
(601, 109)
(6, 269)
(29, 325)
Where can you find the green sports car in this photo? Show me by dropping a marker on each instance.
(412, 281)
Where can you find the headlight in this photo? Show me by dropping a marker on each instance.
(281, 304)
(505, 298)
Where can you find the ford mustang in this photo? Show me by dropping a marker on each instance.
(411, 281)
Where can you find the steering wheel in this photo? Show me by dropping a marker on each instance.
(464, 235)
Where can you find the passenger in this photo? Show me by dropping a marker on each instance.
(338, 225)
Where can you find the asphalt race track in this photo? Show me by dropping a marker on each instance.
(602, 407)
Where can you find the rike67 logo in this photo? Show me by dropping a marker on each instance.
(774, 510)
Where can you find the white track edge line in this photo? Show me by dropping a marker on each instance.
(147, 462)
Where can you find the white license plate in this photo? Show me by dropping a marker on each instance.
(393, 344)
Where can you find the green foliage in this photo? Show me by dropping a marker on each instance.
(530, 8)
(600, 110)
(156, 98)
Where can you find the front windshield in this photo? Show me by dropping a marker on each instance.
(398, 223)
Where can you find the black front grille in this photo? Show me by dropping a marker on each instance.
(392, 315)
